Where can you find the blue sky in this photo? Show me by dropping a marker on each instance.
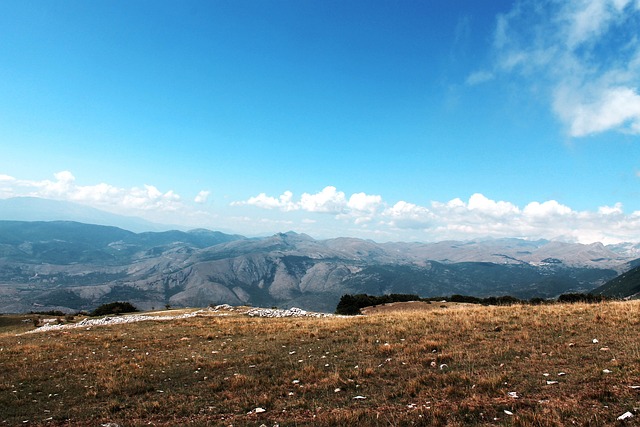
(389, 120)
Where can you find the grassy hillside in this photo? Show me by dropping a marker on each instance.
(459, 365)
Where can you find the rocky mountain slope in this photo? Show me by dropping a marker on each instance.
(73, 266)
(627, 285)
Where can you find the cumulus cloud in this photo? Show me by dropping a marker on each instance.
(408, 215)
(546, 210)
(329, 200)
(364, 202)
(64, 187)
(479, 216)
(587, 52)
(263, 201)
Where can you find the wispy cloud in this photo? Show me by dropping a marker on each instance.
(587, 52)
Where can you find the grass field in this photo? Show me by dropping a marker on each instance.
(466, 365)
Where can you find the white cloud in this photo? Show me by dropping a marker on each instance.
(479, 216)
(358, 215)
(609, 108)
(360, 206)
(611, 210)
(408, 215)
(109, 197)
(548, 209)
(283, 202)
(202, 196)
(364, 202)
(586, 51)
(329, 200)
(480, 203)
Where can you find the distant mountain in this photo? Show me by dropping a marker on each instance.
(37, 209)
(72, 266)
(68, 242)
(626, 285)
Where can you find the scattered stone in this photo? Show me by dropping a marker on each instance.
(595, 341)
(606, 371)
(359, 397)
(562, 374)
(443, 366)
(508, 412)
(552, 382)
(514, 394)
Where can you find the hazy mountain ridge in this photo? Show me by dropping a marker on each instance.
(78, 266)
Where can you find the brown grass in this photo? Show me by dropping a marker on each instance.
(437, 367)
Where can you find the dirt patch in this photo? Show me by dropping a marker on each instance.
(411, 306)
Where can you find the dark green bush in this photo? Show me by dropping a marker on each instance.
(351, 304)
(114, 308)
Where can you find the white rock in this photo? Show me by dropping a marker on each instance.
(359, 397)
(513, 394)
(552, 382)
(606, 371)
(595, 341)
(508, 412)
(625, 416)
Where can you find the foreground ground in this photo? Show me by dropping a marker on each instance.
(467, 365)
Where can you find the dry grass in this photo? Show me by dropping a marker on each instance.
(217, 370)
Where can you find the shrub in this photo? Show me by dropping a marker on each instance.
(578, 297)
(114, 308)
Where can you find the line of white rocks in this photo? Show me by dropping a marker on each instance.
(290, 312)
(103, 321)
(132, 318)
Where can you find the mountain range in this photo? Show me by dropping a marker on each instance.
(69, 266)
